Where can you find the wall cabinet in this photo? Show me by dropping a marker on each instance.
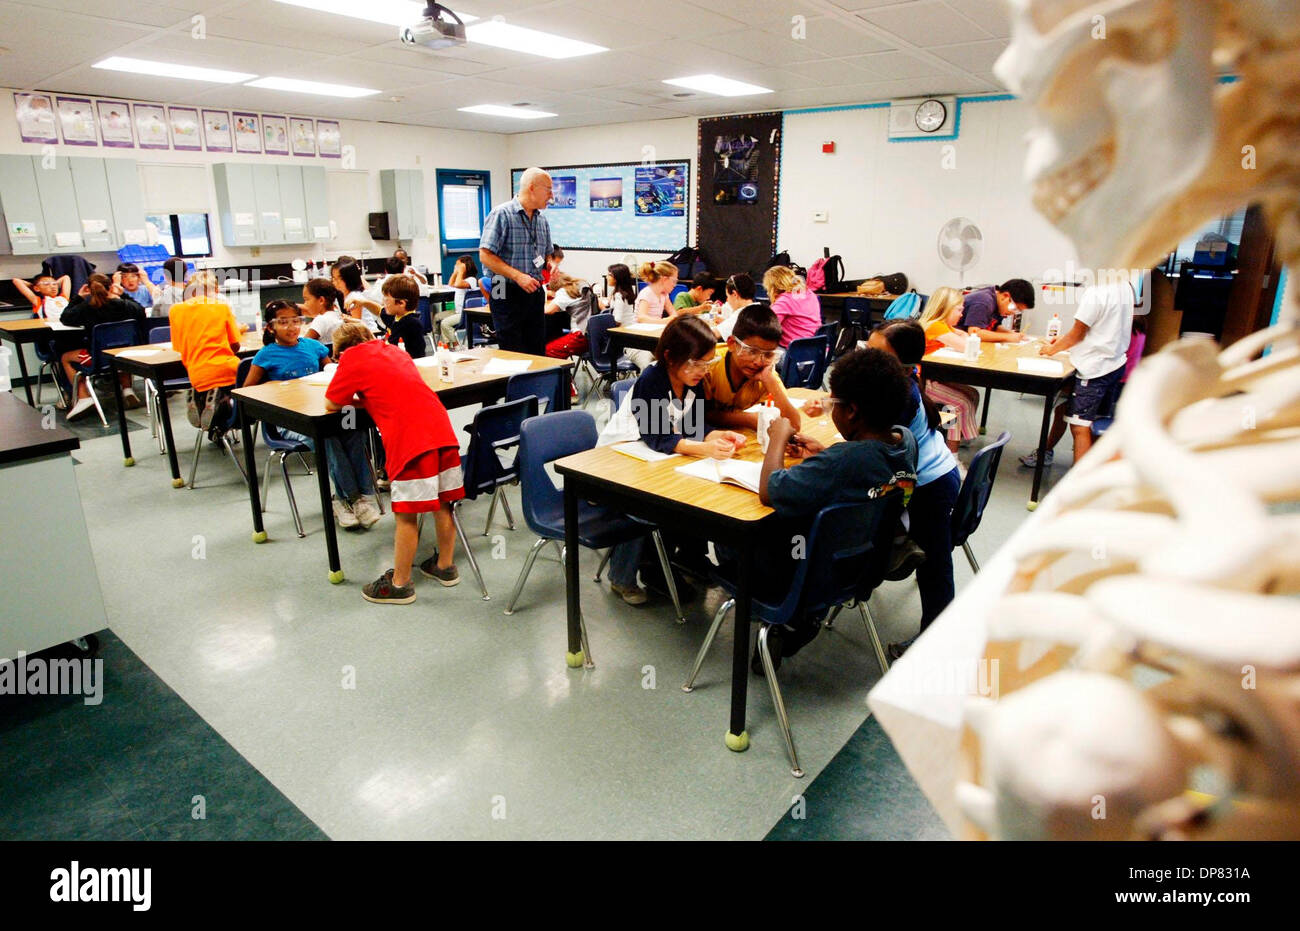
(268, 205)
(69, 204)
(403, 195)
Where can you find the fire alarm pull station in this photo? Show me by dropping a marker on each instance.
(828, 148)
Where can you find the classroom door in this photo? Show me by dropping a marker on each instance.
(464, 199)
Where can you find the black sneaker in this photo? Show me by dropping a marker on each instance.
(382, 591)
(652, 577)
(447, 577)
(895, 651)
(904, 560)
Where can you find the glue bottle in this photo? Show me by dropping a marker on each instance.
(445, 372)
(1054, 327)
(767, 415)
(972, 347)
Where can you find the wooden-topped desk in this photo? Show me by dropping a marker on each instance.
(473, 318)
(299, 405)
(634, 336)
(158, 363)
(723, 513)
(832, 304)
(999, 367)
(34, 330)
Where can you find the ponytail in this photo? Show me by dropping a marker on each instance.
(98, 286)
(650, 272)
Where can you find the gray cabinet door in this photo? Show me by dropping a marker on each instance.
(90, 188)
(293, 206)
(418, 225)
(315, 192)
(395, 188)
(237, 204)
(270, 216)
(123, 175)
(59, 204)
(24, 219)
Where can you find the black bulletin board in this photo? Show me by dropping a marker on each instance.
(738, 172)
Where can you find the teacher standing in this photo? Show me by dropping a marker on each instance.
(516, 240)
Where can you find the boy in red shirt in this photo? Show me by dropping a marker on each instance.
(423, 453)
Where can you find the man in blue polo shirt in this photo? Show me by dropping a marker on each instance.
(984, 309)
(516, 240)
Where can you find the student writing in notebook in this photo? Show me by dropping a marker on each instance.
(744, 373)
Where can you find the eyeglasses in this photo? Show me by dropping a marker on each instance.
(767, 355)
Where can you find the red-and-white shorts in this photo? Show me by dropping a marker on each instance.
(429, 480)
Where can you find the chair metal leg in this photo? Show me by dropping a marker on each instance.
(830, 618)
(492, 510)
(266, 482)
(870, 623)
(970, 556)
(505, 506)
(588, 662)
(239, 460)
(90, 386)
(198, 448)
(288, 489)
(668, 575)
(374, 480)
(769, 673)
(469, 554)
(523, 575)
(604, 561)
(303, 460)
(718, 618)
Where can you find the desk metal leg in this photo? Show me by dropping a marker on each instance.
(566, 389)
(575, 656)
(737, 736)
(27, 380)
(165, 415)
(984, 417)
(327, 508)
(250, 467)
(127, 458)
(1042, 448)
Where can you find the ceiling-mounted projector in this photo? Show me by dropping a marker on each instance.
(433, 31)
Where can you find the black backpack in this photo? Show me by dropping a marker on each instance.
(689, 262)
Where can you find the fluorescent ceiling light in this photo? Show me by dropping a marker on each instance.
(518, 39)
(164, 69)
(713, 84)
(311, 87)
(390, 12)
(518, 113)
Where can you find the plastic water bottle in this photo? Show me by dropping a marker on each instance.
(972, 347)
(1054, 327)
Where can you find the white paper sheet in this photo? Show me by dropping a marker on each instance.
(646, 327)
(1040, 366)
(139, 353)
(637, 449)
(755, 408)
(319, 378)
(946, 353)
(506, 366)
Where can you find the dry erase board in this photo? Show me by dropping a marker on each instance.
(619, 206)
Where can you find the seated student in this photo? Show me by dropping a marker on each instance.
(795, 306)
(569, 298)
(407, 268)
(449, 327)
(292, 356)
(652, 303)
(1098, 343)
(744, 373)
(129, 281)
(553, 260)
(48, 295)
(93, 305)
(698, 295)
(938, 479)
(392, 266)
(942, 312)
(320, 303)
(983, 310)
(740, 293)
(664, 411)
(869, 396)
(207, 336)
(173, 291)
(401, 298)
(348, 282)
(421, 447)
(622, 298)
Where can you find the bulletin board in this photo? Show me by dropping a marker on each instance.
(606, 208)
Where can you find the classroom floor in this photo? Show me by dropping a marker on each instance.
(461, 722)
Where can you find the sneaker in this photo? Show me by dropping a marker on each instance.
(447, 577)
(895, 651)
(366, 510)
(382, 591)
(654, 581)
(382, 482)
(632, 594)
(1031, 461)
(344, 515)
(80, 408)
(131, 400)
(905, 560)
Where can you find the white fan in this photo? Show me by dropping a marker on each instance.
(960, 245)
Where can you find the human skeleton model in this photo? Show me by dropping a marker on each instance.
(1148, 643)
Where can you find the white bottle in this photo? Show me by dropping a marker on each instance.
(767, 415)
(1054, 327)
(972, 347)
(446, 371)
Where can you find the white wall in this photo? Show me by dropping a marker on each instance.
(887, 201)
(378, 145)
(673, 140)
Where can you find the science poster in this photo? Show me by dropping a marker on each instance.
(151, 126)
(275, 134)
(328, 141)
(77, 120)
(216, 131)
(184, 123)
(606, 194)
(115, 123)
(661, 191)
(302, 135)
(564, 192)
(35, 115)
(248, 132)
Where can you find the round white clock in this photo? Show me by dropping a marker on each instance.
(930, 115)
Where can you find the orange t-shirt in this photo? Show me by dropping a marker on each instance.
(932, 333)
(203, 331)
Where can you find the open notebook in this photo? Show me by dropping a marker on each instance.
(732, 471)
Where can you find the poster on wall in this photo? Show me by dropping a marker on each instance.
(248, 132)
(661, 191)
(735, 169)
(740, 164)
(275, 133)
(115, 123)
(328, 140)
(151, 126)
(606, 194)
(77, 118)
(302, 134)
(216, 131)
(184, 122)
(564, 192)
(35, 115)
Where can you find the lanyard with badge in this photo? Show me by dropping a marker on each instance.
(531, 225)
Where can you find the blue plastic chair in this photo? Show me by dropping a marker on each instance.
(677, 289)
(974, 495)
(160, 334)
(49, 357)
(608, 369)
(425, 313)
(226, 431)
(542, 440)
(473, 301)
(494, 433)
(617, 393)
(105, 336)
(832, 332)
(856, 312)
(545, 385)
(804, 363)
(848, 551)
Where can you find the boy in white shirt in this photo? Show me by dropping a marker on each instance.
(48, 295)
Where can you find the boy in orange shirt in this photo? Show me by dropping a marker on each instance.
(207, 337)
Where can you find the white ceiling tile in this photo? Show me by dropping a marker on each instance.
(838, 39)
(832, 72)
(150, 13)
(976, 57)
(281, 25)
(894, 65)
(924, 24)
(768, 49)
(668, 18)
(989, 15)
(445, 64)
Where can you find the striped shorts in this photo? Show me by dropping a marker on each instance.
(428, 481)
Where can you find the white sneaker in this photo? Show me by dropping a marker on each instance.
(85, 404)
(130, 399)
(344, 515)
(366, 510)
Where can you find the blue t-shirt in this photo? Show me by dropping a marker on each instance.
(933, 458)
(140, 295)
(282, 363)
(854, 470)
